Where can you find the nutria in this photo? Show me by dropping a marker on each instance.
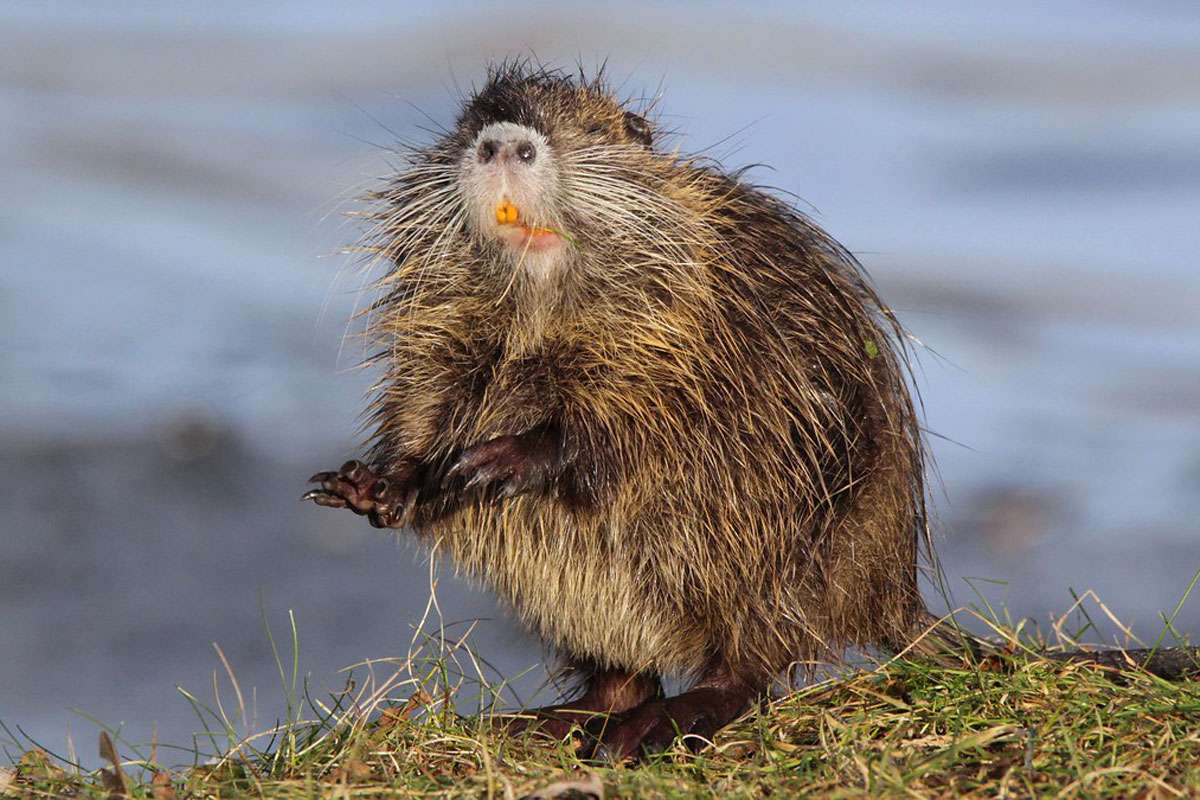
(656, 408)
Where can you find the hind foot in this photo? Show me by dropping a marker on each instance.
(387, 501)
(556, 722)
(654, 726)
(609, 692)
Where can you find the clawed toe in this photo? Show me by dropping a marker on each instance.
(481, 464)
(324, 498)
(508, 466)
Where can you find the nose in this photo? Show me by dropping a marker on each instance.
(523, 150)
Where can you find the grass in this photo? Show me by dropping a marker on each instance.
(1009, 726)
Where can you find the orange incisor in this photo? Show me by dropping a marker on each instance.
(506, 213)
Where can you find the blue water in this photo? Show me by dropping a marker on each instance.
(1023, 186)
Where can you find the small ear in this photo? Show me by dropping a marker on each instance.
(638, 128)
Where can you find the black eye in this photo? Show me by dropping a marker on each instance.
(526, 152)
(638, 128)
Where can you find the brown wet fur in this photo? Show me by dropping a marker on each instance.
(689, 451)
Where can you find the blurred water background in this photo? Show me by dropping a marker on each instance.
(1022, 181)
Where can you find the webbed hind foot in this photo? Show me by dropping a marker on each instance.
(609, 693)
(693, 716)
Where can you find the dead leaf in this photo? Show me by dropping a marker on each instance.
(162, 787)
(394, 716)
(587, 788)
(352, 770)
(113, 779)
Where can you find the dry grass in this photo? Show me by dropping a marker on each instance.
(1008, 727)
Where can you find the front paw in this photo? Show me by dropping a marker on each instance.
(386, 501)
(507, 465)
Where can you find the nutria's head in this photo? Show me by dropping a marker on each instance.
(529, 144)
(543, 171)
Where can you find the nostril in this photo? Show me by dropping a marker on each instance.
(526, 152)
(487, 150)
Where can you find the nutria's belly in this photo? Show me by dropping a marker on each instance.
(573, 587)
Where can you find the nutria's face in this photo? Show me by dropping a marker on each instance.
(532, 156)
(510, 181)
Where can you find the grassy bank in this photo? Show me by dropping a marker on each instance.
(1009, 726)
